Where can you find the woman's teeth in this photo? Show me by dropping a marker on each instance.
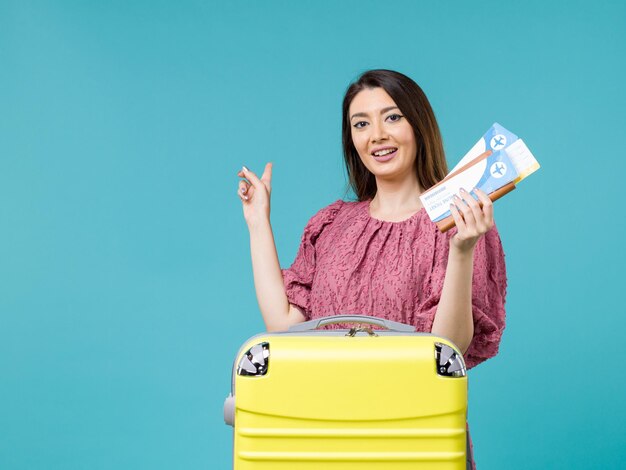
(382, 153)
(385, 155)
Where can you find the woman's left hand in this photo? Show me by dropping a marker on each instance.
(472, 220)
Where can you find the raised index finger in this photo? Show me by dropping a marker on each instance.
(267, 173)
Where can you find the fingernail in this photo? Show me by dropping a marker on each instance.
(463, 190)
(243, 190)
(245, 168)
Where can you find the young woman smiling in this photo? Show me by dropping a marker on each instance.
(381, 255)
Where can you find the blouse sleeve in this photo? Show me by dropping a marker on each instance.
(299, 277)
(489, 285)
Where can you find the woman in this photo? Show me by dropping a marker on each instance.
(381, 255)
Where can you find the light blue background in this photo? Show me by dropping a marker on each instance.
(125, 278)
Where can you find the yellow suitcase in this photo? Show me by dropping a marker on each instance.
(358, 398)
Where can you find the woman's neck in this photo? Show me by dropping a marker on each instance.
(396, 198)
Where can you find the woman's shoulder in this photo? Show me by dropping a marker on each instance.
(336, 210)
(340, 206)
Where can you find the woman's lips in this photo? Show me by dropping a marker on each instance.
(385, 158)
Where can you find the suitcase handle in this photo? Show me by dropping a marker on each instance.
(319, 322)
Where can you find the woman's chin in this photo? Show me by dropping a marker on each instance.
(390, 173)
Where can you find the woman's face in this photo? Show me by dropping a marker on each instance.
(382, 136)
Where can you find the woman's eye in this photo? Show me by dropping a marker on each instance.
(360, 124)
(394, 117)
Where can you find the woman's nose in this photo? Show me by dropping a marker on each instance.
(378, 132)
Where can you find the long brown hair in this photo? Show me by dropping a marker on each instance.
(430, 163)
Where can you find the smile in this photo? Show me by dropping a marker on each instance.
(386, 154)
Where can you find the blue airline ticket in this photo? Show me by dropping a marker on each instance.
(489, 175)
(511, 161)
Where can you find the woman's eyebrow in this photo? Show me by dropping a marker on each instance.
(382, 111)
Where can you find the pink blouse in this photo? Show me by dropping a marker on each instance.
(351, 263)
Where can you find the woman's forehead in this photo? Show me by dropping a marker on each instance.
(371, 100)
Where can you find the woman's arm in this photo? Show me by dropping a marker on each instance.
(454, 319)
(277, 313)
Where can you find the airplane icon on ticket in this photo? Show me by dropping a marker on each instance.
(497, 142)
(498, 170)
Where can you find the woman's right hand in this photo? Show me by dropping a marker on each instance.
(254, 193)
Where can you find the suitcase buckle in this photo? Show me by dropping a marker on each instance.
(361, 329)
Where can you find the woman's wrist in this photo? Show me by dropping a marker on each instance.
(260, 224)
(461, 253)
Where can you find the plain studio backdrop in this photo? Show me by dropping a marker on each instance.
(125, 277)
